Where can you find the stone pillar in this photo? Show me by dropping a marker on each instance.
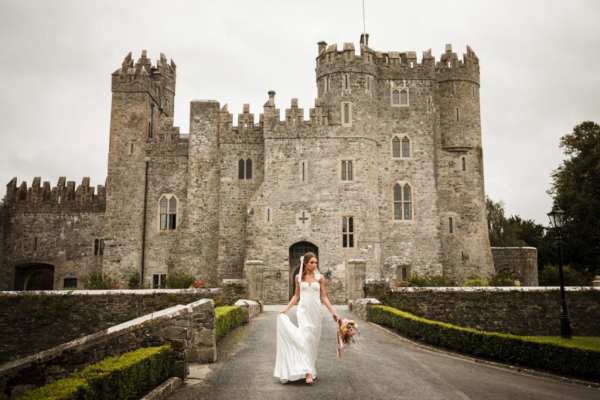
(355, 278)
(253, 272)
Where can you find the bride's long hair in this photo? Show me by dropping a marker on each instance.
(307, 257)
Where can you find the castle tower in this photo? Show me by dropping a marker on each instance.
(465, 239)
(142, 102)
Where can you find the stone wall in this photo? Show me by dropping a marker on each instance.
(189, 329)
(27, 318)
(517, 310)
(521, 261)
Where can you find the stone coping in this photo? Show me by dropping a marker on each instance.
(117, 330)
(514, 247)
(493, 289)
(139, 292)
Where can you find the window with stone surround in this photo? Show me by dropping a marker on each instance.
(70, 283)
(98, 247)
(347, 170)
(268, 214)
(159, 281)
(399, 97)
(450, 225)
(151, 122)
(403, 272)
(403, 210)
(346, 113)
(347, 231)
(401, 147)
(429, 104)
(245, 169)
(346, 83)
(369, 84)
(303, 170)
(463, 161)
(168, 212)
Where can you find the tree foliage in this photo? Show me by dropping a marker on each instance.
(576, 189)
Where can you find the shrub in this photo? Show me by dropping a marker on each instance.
(128, 376)
(549, 276)
(227, 318)
(429, 280)
(97, 281)
(133, 281)
(568, 360)
(179, 280)
(476, 282)
(505, 278)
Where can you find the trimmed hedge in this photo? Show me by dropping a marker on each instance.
(227, 318)
(128, 376)
(512, 349)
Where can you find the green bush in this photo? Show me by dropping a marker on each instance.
(97, 281)
(179, 280)
(549, 276)
(429, 281)
(133, 280)
(567, 360)
(476, 282)
(505, 278)
(228, 318)
(128, 376)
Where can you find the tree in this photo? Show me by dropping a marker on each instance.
(576, 189)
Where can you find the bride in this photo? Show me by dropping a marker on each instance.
(297, 345)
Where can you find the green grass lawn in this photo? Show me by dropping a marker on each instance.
(580, 342)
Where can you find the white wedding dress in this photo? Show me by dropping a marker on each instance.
(297, 345)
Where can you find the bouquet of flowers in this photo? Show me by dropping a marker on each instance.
(347, 329)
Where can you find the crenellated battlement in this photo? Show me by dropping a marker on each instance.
(390, 64)
(142, 76)
(65, 196)
(250, 130)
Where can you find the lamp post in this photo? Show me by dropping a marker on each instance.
(557, 219)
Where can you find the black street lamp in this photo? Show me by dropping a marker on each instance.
(557, 219)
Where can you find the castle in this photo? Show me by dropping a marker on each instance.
(384, 180)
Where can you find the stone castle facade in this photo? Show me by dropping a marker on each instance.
(384, 180)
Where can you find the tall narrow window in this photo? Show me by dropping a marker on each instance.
(429, 104)
(450, 225)
(151, 122)
(159, 281)
(402, 202)
(268, 214)
(457, 114)
(130, 148)
(172, 213)
(347, 172)
(241, 169)
(35, 243)
(303, 171)
(395, 97)
(346, 82)
(407, 202)
(397, 202)
(168, 212)
(347, 232)
(346, 114)
(249, 169)
(396, 147)
(464, 163)
(404, 97)
(405, 147)
(99, 247)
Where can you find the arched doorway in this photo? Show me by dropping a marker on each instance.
(297, 250)
(37, 276)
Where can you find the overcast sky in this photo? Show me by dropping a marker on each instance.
(539, 72)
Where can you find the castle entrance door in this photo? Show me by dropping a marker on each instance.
(297, 250)
(36, 276)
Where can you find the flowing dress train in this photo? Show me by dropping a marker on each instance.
(297, 346)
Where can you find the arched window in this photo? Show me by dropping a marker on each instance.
(395, 97)
(404, 97)
(346, 113)
(402, 202)
(396, 147)
(397, 202)
(405, 147)
(241, 169)
(168, 212)
(249, 169)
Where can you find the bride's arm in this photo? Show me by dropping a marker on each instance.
(325, 300)
(294, 298)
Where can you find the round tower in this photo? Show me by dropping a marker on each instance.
(465, 239)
